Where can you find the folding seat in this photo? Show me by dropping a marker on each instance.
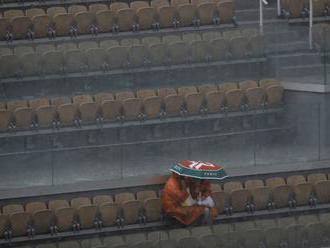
(118, 6)
(46, 116)
(316, 177)
(274, 95)
(42, 218)
(206, 88)
(234, 99)
(159, 3)
(4, 225)
(227, 86)
(226, 11)
(173, 105)
(151, 40)
(144, 93)
(233, 185)
(63, 23)
(130, 207)
(240, 200)
(20, 224)
(261, 197)
(104, 96)
(206, 13)
(163, 92)
(200, 51)
(52, 62)
(265, 83)
(105, 44)
(111, 110)
(145, 194)
(255, 97)
(179, 2)
(69, 244)
(12, 208)
(95, 7)
(108, 213)
(67, 114)
(105, 20)
(244, 85)
(137, 56)
(132, 109)
(85, 21)
(4, 27)
(167, 17)
(87, 216)
(146, 18)
(79, 99)
(15, 104)
(89, 112)
(257, 46)
(138, 4)
(115, 241)
(122, 95)
(75, 61)
(219, 49)
(295, 179)
(5, 119)
(96, 59)
(253, 183)
(21, 26)
(30, 64)
(118, 57)
(157, 54)
(57, 101)
(64, 216)
(100, 199)
(152, 106)
(76, 203)
(186, 15)
(9, 66)
(238, 47)
(74, 9)
(52, 11)
(126, 19)
(13, 13)
(179, 53)
(194, 103)
(23, 118)
(322, 190)
(41, 24)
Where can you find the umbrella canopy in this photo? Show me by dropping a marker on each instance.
(198, 169)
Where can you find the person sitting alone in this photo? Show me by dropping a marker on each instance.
(188, 200)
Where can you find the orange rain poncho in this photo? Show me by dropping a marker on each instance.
(174, 196)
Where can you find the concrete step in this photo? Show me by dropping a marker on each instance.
(281, 36)
(286, 47)
(300, 58)
(253, 14)
(301, 70)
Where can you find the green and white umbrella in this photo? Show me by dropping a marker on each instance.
(198, 169)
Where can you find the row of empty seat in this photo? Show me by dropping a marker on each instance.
(60, 215)
(58, 21)
(144, 104)
(300, 8)
(300, 231)
(171, 50)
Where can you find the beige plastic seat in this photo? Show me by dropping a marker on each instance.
(146, 17)
(89, 112)
(227, 86)
(152, 106)
(67, 114)
(46, 116)
(281, 194)
(265, 83)
(219, 49)
(100, 199)
(226, 11)
(179, 52)
(261, 197)
(111, 110)
(96, 7)
(15, 104)
(42, 218)
(137, 56)
(163, 92)
(76, 203)
(4, 224)
(194, 103)
(123, 95)
(157, 54)
(85, 20)
(302, 193)
(167, 16)
(230, 186)
(206, 88)
(152, 207)
(52, 11)
(118, 6)
(322, 190)
(23, 117)
(73, 9)
(273, 182)
(12, 208)
(105, 20)
(55, 204)
(63, 23)
(41, 24)
(12, 13)
(35, 206)
(79, 99)
(96, 59)
(315, 177)
(64, 218)
(244, 85)
(4, 26)
(159, 3)
(145, 194)
(75, 61)
(87, 216)
(20, 25)
(103, 96)
(238, 47)
(109, 213)
(253, 183)
(5, 119)
(130, 207)
(145, 93)
(139, 4)
(132, 108)
(206, 13)
(173, 105)
(274, 95)
(255, 97)
(215, 101)
(234, 99)
(19, 223)
(239, 199)
(179, 2)
(126, 19)
(52, 62)
(118, 57)
(295, 179)
(186, 14)
(57, 101)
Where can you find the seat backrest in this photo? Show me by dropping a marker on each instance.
(145, 93)
(250, 184)
(183, 91)
(118, 6)
(55, 204)
(12, 208)
(244, 85)
(103, 96)
(295, 179)
(100, 199)
(31, 207)
(76, 203)
(145, 194)
(315, 177)
(162, 92)
(36, 103)
(274, 182)
(230, 186)
(122, 197)
(120, 96)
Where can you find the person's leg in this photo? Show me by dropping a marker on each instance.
(207, 219)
